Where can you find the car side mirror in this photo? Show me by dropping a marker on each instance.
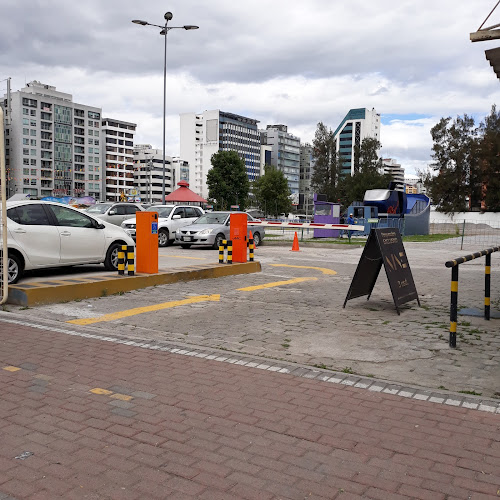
(112, 212)
(175, 217)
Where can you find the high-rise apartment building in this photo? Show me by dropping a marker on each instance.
(52, 143)
(204, 134)
(306, 202)
(396, 171)
(357, 125)
(117, 146)
(148, 173)
(285, 153)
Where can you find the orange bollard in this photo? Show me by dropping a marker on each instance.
(295, 246)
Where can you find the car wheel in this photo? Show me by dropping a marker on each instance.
(163, 238)
(111, 261)
(14, 269)
(218, 241)
(256, 239)
(184, 245)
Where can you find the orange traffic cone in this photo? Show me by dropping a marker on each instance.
(251, 238)
(295, 246)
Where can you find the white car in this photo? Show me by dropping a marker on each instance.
(114, 213)
(44, 234)
(170, 218)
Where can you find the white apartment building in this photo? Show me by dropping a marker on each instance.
(117, 147)
(52, 143)
(306, 202)
(357, 125)
(148, 173)
(285, 153)
(396, 171)
(204, 134)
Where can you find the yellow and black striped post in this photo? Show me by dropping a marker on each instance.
(121, 260)
(229, 252)
(487, 286)
(454, 306)
(130, 260)
(221, 251)
(251, 248)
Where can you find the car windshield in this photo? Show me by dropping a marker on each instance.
(98, 208)
(162, 211)
(212, 218)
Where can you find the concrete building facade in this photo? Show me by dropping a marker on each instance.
(306, 202)
(204, 134)
(285, 153)
(357, 125)
(148, 173)
(52, 143)
(117, 147)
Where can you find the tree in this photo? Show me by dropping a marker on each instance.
(227, 180)
(272, 192)
(489, 161)
(366, 156)
(457, 186)
(327, 164)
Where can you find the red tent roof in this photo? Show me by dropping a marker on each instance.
(184, 194)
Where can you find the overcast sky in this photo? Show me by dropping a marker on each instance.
(283, 61)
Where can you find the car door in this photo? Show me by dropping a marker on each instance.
(178, 222)
(32, 230)
(81, 241)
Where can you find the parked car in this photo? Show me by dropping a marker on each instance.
(45, 234)
(213, 227)
(114, 213)
(170, 218)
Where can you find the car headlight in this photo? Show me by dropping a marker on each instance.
(204, 232)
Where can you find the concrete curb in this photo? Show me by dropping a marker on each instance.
(101, 285)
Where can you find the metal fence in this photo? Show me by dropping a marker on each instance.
(483, 234)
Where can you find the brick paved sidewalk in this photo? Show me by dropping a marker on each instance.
(110, 421)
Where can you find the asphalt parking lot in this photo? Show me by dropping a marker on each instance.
(292, 311)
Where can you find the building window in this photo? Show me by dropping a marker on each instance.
(33, 182)
(26, 141)
(26, 171)
(26, 182)
(33, 132)
(33, 171)
(32, 112)
(26, 151)
(33, 152)
(26, 131)
(32, 162)
(33, 142)
(25, 111)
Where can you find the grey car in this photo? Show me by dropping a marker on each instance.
(114, 212)
(213, 227)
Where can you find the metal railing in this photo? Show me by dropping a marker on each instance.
(454, 287)
(485, 232)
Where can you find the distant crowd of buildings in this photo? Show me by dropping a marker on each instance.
(56, 147)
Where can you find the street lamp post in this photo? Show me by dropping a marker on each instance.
(164, 31)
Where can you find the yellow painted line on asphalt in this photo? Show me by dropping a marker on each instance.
(141, 310)
(324, 270)
(183, 257)
(11, 368)
(275, 283)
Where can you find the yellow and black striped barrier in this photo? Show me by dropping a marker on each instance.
(126, 256)
(454, 287)
(229, 252)
(251, 248)
(221, 251)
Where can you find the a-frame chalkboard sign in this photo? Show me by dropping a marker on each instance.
(384, 247)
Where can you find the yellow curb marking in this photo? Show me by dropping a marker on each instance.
(324, 270)
(98, 390)
(141, 310)
(11, 368)
(122, 397)
(275, 283)
(183, 257)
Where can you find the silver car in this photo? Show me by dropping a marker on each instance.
(213, 227)
(114, 213)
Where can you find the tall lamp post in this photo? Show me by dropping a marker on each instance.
(164, 31)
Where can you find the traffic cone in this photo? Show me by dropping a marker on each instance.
(295, 246)
(251, 238)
